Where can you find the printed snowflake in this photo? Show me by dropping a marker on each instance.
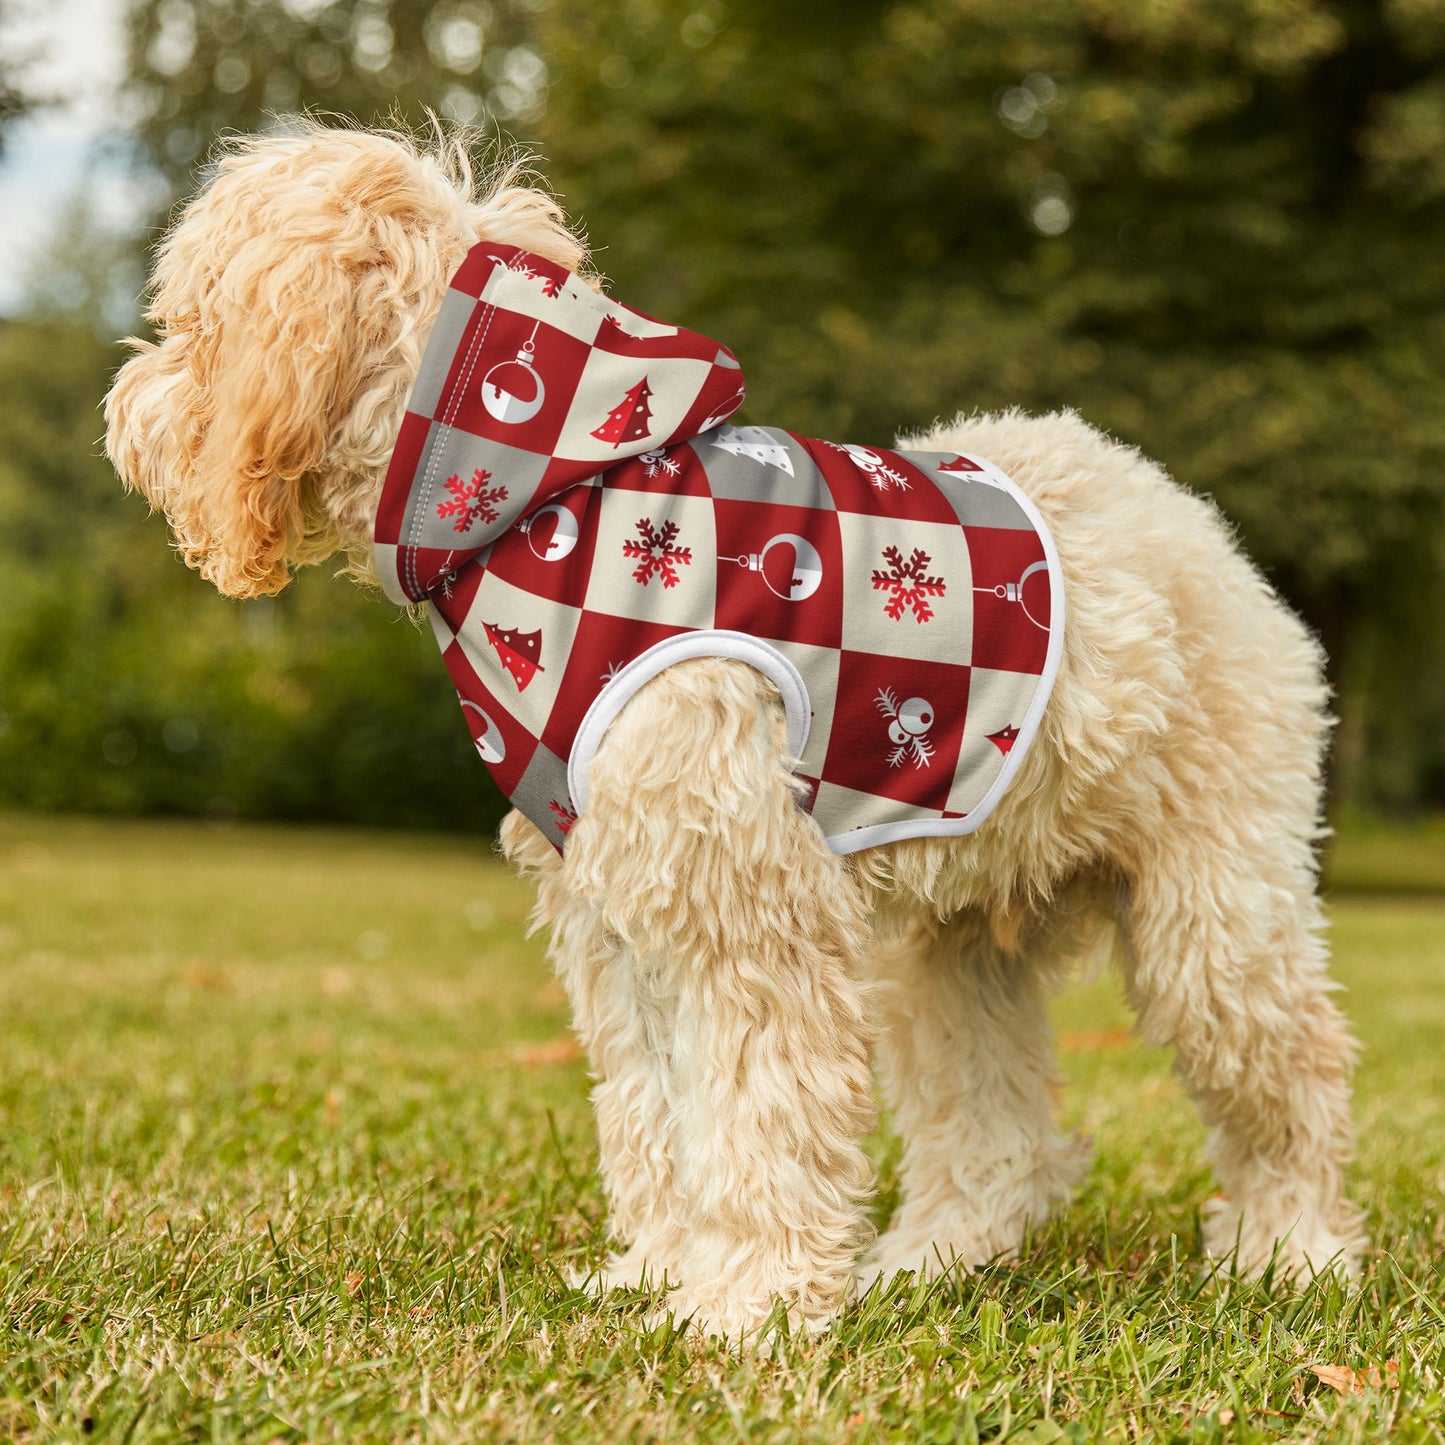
(908, 584)
(551, 285)
(566, 816)
(471, 501)
(659, 461)
(659, 557)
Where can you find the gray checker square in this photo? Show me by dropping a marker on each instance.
(446, 336)
(542, 784)
(978, 503)
(741, 477)
(453, 452)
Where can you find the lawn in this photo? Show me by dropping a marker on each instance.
(293, 1145)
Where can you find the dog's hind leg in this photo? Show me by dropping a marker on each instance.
(740, 932)
(1226, 962)
(966, 1059)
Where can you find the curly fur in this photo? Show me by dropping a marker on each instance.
(729, 976)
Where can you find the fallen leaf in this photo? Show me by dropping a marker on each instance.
(1347, 1381)
(204, 976)
(354, 1283)
(1096, 1041)
(560, 1050)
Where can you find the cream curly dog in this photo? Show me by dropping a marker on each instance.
(730, 977)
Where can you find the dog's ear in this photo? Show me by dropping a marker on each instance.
(290, 301)
(221, 422)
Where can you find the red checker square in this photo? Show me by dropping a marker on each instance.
(897, 727)
(548, 553)
(676, 471)
(602, 647)
(503, 744)
(476, 270)
(1011, 599)
(622, 339)
(872, 480)
(518, 384)
(405, 460)
(779, 572)
(454, 600)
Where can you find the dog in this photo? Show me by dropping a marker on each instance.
(732, 978)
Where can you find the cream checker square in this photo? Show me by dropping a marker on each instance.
(996, 700)
(838, 810)
(575, 310)
(673, 387)
(948, 635)
(613, 588)
(507, 607)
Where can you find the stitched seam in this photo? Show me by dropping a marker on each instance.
(450, 409)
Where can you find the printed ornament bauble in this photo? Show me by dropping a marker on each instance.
(1014, 591)
(789, 566)
(563, 532)
(513, 391)
(490, 744)
(518, 652)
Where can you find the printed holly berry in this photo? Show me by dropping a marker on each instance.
(518, 651)
(1004, 739)
(908, 727)
(471, 501)
(660, 462)
(659, 557)
(880, 475)
(628, 420)
(909, 586)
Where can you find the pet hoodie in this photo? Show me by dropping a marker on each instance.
(568, 495)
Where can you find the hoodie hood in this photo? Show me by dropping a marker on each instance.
(531, 382)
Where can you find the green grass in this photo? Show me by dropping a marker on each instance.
(285, 1154)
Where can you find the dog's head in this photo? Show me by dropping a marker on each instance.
(291, 301)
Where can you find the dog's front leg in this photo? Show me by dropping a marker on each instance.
(739, 930)
(624, 1025)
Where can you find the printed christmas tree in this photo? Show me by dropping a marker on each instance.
(518, 651)
(960, 464)
(628, 420)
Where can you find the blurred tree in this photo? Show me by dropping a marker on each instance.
(15, 96)
(1217, 229)
(202, 67)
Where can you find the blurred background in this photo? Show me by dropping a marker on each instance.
(1216, 228)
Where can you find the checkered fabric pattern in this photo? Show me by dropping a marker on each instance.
(568, 495)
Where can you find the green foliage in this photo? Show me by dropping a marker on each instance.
(128, 686)
(287, 1155)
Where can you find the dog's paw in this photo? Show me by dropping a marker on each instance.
(757, 1325)
(632, 1270)
(896, 1255)
(1298, 1246)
